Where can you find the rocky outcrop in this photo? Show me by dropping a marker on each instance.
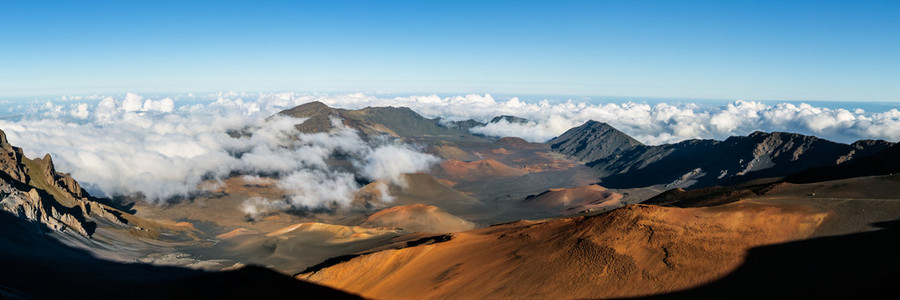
(34, 190)
(31, 205)
(11, 160)
(60, 181)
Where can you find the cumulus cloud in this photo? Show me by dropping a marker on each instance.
(389, 162)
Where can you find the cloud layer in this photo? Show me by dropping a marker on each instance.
(165, 147)
(649, 123)
(145, 146)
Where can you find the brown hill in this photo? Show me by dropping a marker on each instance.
(514, 143)
(420, 188)
(418, 218)
(296, 247)
(582, 198)
(475, 170)
(451, 152)
(633, 251)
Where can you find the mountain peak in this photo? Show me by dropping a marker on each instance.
(317, 116)
(510, 119)
(400, 122)
(593, 140)
(308, 110)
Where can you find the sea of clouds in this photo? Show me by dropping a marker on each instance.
(165, 147)
(143, 146)
(652, 124)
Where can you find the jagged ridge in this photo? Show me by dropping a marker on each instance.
(32, 189)
(621, 162)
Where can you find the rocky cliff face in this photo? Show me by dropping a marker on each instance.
(621, 163)
(34, 190)
(880, 163)
(10, 160)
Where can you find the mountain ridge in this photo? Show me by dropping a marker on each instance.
(701, 163)
(398, 122)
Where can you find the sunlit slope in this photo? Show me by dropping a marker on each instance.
(636, 250)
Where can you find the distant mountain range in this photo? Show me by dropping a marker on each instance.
(619, 160)
(622, 162)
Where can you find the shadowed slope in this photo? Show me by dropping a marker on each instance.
(702, 163)
(883, 163)
(854, 266)
(34, 265)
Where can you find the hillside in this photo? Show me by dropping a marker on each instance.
(643, 250)
(418, 218)
(634, 251)
(577, 199)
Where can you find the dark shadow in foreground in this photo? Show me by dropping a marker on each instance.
(854, 266)
(35, 265)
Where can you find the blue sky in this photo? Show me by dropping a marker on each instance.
(758, 50)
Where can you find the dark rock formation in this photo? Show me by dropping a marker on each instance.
(32, 189)
(509, 119)
(592, 141)
(621, 162)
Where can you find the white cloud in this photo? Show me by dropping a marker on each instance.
(650, 123)
(165, 147)
(257, 206)
(146, 146)
(389, 162)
